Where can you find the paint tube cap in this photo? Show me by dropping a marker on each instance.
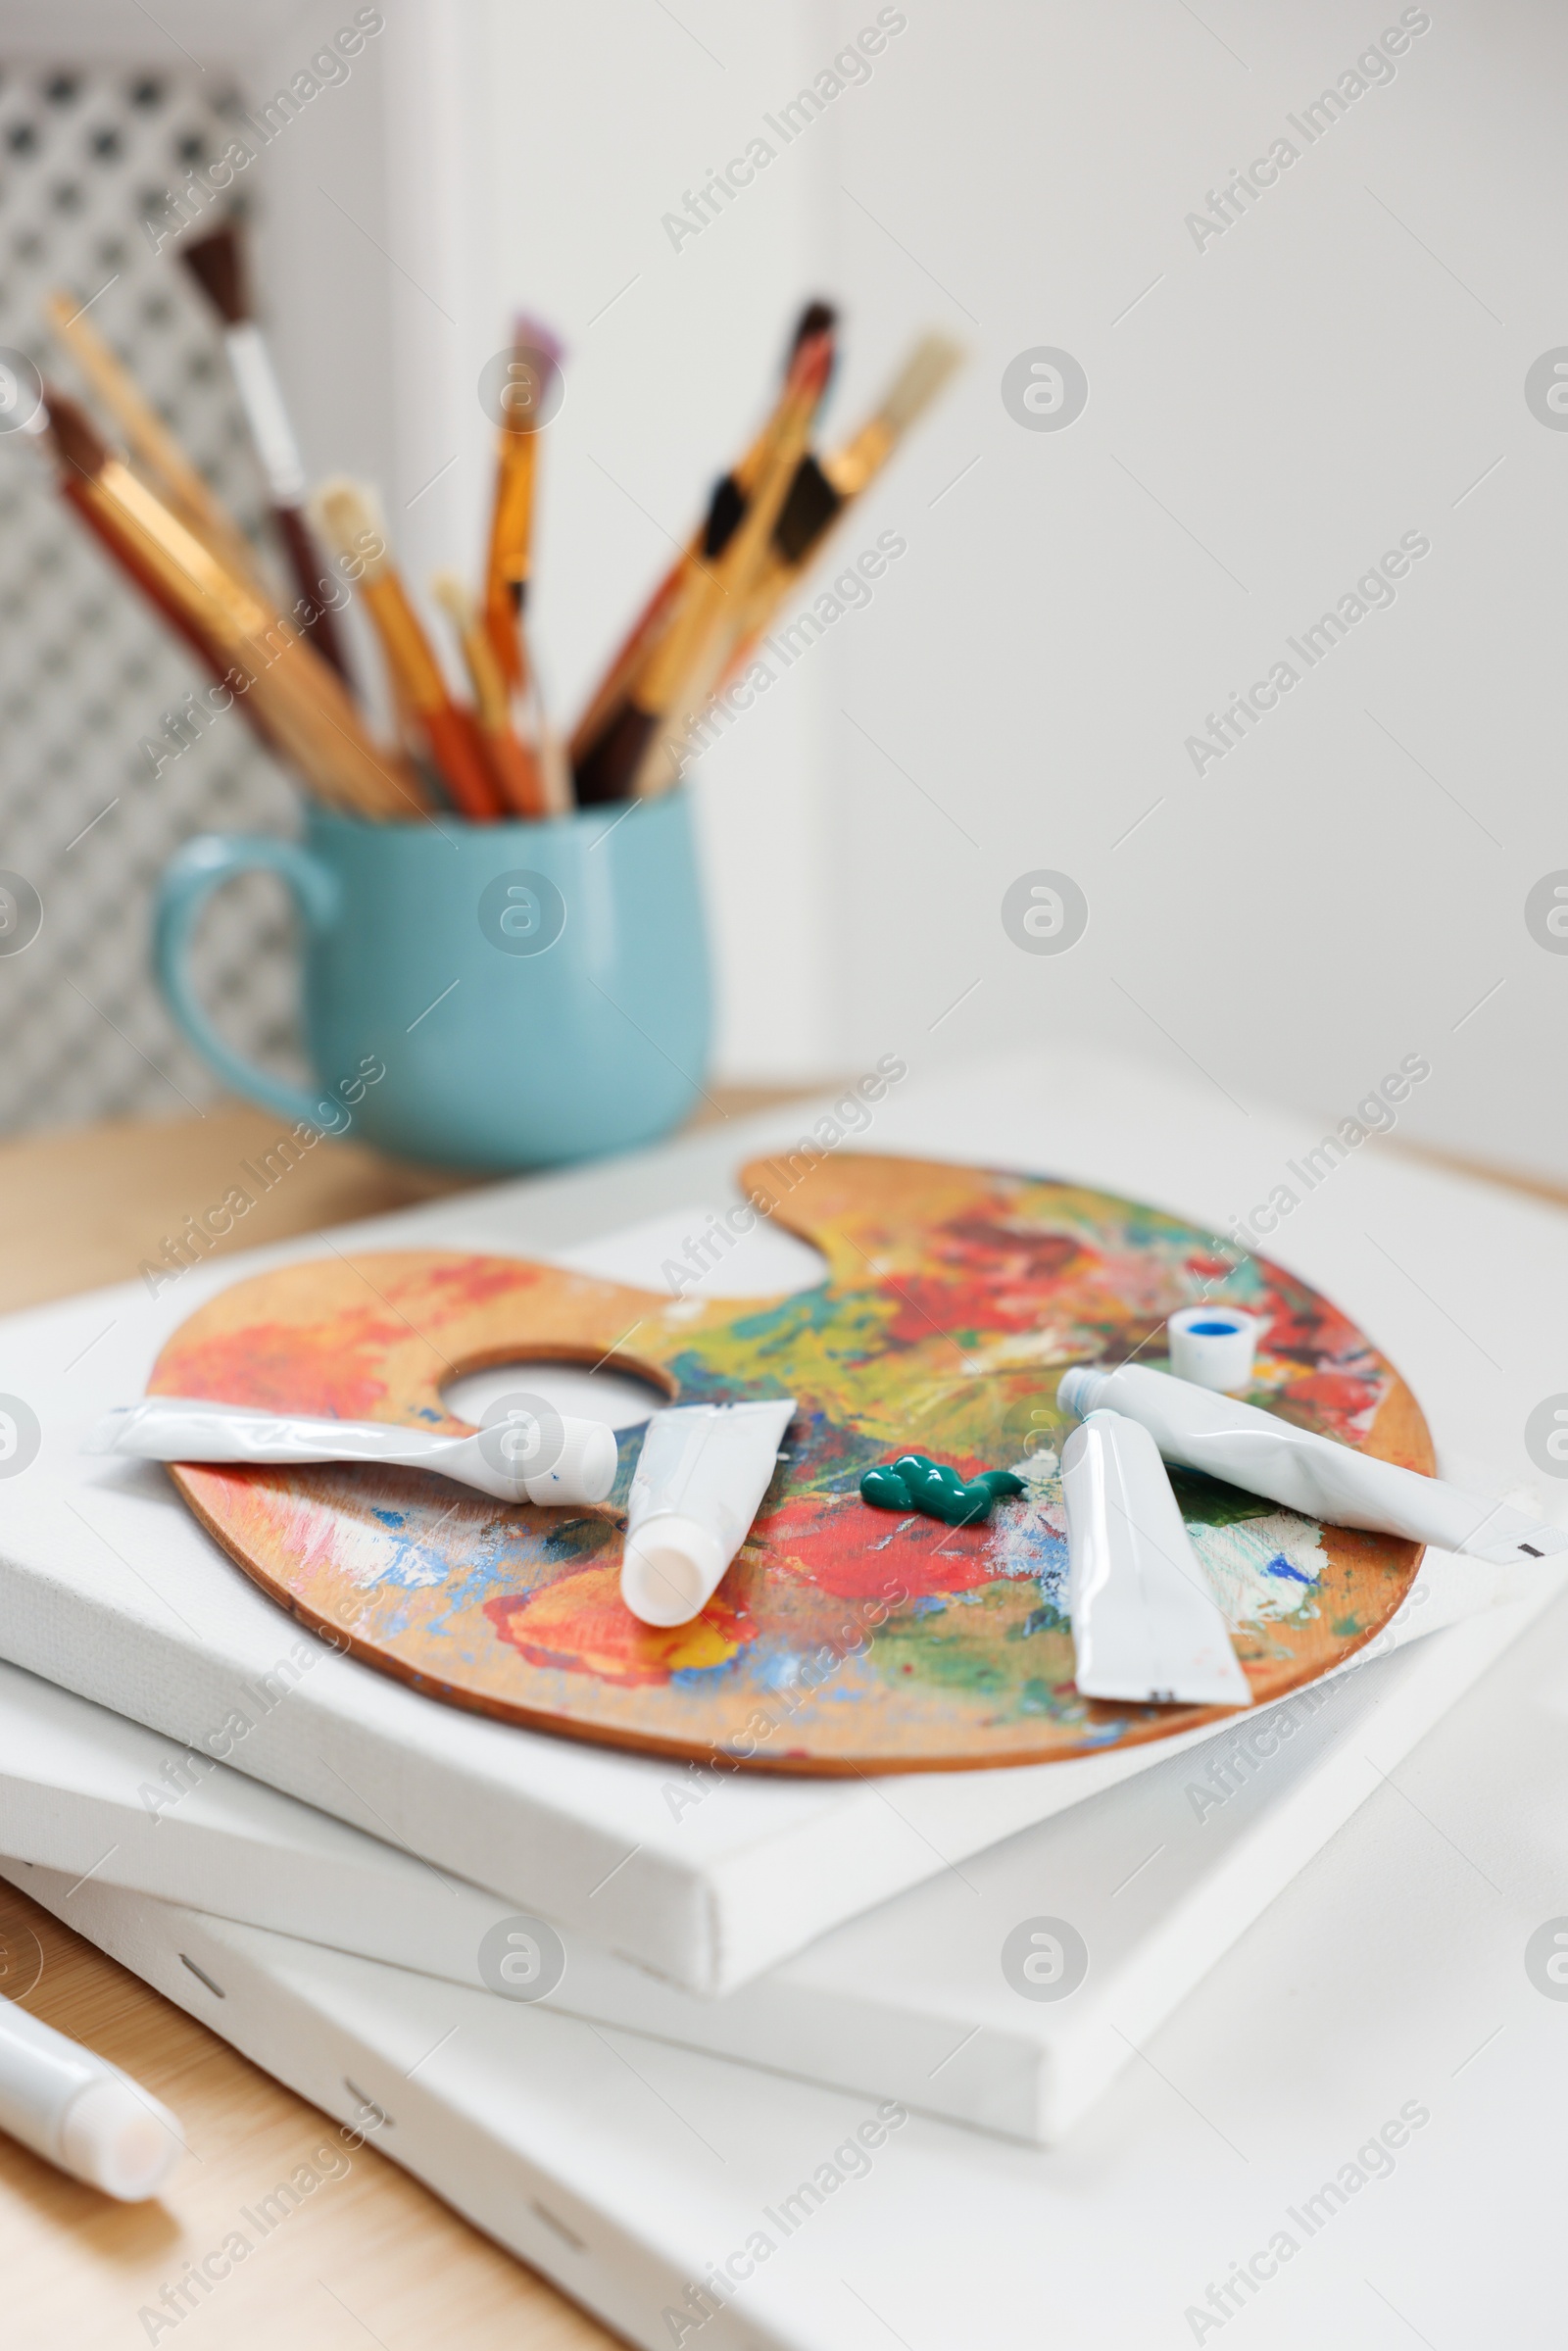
(670, 1569)
(583, 1470)
(1078, 1391)
(118, 2140)
(1213, 1347)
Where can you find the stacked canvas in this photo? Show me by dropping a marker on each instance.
(928, 1998)
(1297, 2145)
(986, 1947)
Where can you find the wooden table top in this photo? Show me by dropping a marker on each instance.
(379, 2260)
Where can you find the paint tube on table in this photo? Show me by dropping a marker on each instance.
(698, 1486)
(1145, 1623)
(82, 2112)
(1264, 1455)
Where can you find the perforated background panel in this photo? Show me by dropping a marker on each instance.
(85, 671)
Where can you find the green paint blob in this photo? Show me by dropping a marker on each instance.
(915, 1483)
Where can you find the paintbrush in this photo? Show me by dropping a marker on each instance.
(289, 695)
(823, 491)
(515, 766)
(524, 399)
(597, 775)
(348, 515)
(685, 647)
(692, 655)
(64, 425)
(217, 262)
(150, 440)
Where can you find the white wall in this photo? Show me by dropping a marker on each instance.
(1311, 385)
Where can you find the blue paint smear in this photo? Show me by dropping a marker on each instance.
(699, 1677)
(1281, 1567)
(930, 1603)
(390, 1518)
(774, 1667)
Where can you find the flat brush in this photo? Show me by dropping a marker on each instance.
(925, 371)
(348, 515)
(288, 694)
(598, 767)
(516, 767)
(217, 262)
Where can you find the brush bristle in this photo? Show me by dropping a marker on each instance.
(531, 334)
(725, 512)
(347, 516)
(217, 262)
(812, 364)
(817, 319)
(812, 505)
(452, 595)
(918, 381)
(76, 439)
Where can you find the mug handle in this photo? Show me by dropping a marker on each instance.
(202, 866)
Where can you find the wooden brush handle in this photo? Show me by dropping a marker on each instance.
(80, 495)
(291, 694)
(304, 561)
(507, 566)
(621, 678)
(450, 732)
(341, 778)
(459, 755)
(404, 642)
(151, 439)
(517, 772)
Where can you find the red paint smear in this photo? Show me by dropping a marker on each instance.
(1005, 1252)
(1337, 1395)
(828, 1539)
(471, 1281)
(581, 1625)
(332, 1369)
(990, 1276)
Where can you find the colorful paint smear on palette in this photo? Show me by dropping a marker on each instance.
(843, 1638)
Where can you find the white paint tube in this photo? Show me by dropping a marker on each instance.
(698, 1486)
(79, 2113)
(1145, 1623)
(524, 1456)
(1263, 1455)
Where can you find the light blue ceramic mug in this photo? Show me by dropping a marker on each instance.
(477, 995)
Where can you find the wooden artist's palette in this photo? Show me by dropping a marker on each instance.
(843, 1638)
